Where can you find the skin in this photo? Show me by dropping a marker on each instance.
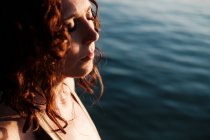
(77, 16)
(80, 125)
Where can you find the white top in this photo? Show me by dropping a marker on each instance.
(80, 125)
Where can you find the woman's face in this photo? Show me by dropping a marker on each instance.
(78, 17)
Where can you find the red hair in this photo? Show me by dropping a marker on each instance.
(34, 36)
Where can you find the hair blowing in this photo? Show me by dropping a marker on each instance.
(34, 41)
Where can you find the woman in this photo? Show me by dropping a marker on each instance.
(48, 44)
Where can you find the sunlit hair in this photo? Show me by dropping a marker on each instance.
(34, 41)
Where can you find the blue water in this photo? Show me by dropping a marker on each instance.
(156, 70)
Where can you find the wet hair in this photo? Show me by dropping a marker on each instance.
(34, 41)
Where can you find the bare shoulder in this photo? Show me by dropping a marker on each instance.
(9, 130)
(8, 124)
(11, 125)
(12, 130)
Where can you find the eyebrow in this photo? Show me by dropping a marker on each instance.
(76, 14)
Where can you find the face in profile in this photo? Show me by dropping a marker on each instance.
(78, 17)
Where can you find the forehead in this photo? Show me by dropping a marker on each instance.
(74, 7)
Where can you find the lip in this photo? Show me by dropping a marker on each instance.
(88, 57)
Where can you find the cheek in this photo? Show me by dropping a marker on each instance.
(74, 50)
(70, 63)
(73, 54)
(71, 57)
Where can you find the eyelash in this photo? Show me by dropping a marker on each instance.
(71, 29)
(89, 16)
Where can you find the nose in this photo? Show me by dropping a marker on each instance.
(89, 34)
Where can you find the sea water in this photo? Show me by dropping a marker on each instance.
(156, 70)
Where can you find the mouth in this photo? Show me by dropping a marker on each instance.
(89, 56)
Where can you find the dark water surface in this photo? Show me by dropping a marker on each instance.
(156, 70)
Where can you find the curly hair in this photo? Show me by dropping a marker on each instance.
(35, 42)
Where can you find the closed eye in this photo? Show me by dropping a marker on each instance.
(89, 14)
(70, 24)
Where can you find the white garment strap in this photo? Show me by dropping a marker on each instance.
(85, 111)
(48, 125)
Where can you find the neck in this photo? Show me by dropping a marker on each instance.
(70, 82)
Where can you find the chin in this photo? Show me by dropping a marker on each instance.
(86, 71)
(80, 72)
